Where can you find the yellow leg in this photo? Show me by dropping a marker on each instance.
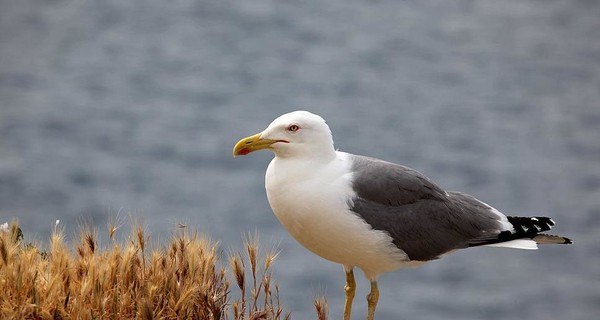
(372, 299)
(350, 289)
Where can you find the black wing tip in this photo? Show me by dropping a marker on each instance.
(526, 228)
(530, 226)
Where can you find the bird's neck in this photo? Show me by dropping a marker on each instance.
(298, 167)
(311, 156)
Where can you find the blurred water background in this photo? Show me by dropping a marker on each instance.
(133, 106)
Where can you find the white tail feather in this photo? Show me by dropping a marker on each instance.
(526, 244)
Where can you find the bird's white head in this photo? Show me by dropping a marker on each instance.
(295, 134)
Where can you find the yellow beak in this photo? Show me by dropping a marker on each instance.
(251, 144)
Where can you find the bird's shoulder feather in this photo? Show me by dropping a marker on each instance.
(391, 184)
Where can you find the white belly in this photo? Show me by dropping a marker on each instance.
(313, 207)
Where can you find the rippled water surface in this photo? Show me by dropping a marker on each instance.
(134, 106)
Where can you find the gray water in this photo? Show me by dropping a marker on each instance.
(133, 106)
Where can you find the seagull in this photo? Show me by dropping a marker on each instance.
(370, 214)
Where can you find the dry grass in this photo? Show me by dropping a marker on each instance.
(182, 280)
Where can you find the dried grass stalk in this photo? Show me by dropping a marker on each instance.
(181, 280)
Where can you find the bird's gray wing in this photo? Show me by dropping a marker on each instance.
(423, 220)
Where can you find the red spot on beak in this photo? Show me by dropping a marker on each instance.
(244, 151)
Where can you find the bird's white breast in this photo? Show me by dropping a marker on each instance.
(311, 199)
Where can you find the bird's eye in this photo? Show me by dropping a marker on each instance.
(293, 128)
